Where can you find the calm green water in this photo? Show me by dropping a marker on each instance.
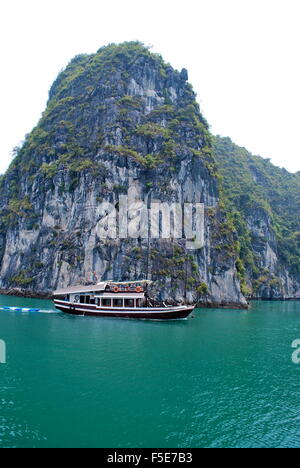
(221, 379)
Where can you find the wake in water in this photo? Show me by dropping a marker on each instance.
(25, 309)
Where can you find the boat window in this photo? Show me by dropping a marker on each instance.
(138, 302)
(87, 299)
(81, 299)
(106, 302)
(92, 301)
(118, 302)
(61, 298)
(129, 302)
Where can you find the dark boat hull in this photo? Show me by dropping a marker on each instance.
(169, 313)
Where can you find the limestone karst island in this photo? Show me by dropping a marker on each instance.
(121, 121)
(122, 204)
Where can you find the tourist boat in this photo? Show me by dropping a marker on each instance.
(122, 300)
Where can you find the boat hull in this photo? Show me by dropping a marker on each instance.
(168, 313)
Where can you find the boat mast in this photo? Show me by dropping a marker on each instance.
(148, 253)
(148, 259)
(147, 267)
(149, 241)
(185, 279)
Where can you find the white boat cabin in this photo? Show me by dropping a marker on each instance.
(107, 295)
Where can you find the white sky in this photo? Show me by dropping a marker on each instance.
(242, 57)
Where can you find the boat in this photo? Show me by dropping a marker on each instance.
(117, 299)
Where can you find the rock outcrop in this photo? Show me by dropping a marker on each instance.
(264, 204)
(123, 122)
(118, 122)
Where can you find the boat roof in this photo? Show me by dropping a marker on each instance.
(121, 296)
(99, 287)
(128, 282)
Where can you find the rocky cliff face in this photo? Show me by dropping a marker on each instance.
(264, 205)
(119, 121)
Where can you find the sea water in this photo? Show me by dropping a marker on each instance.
(222, 378)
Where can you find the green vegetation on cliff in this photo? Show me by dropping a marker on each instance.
(121, 117)
(81, 118)
(118, 119)
(263, 202)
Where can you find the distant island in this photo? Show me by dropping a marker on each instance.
(123, 121)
